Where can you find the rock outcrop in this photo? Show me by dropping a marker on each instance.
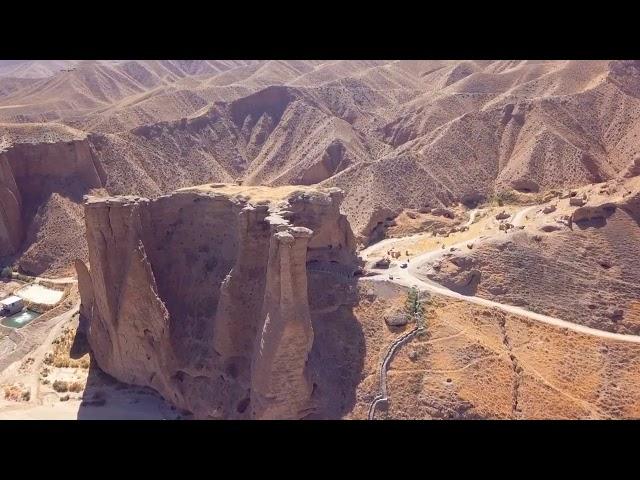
(203, 294)
(11, 231)
(593, 212)
(633, 169)
(577, 201)
(549, 209)
(31, 172)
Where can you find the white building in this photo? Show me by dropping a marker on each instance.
(11, 305)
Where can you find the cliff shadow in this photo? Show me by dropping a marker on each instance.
(57, 205)
(105, 398)
(336, 359)
(71, 189)
(597, 222)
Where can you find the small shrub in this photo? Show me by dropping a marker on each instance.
(413, 307)
(61, 362)
(6, 272)
(60, 357)
(17, 393)
(505, 196)
(60, 386)
(76, 387)
(64, 398)
(10, 392)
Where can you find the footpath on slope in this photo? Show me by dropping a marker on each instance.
(384, 365)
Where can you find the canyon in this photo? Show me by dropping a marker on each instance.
(41, 189)
(243, 235)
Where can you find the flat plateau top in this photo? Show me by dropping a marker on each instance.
(256, 194)
(252, 193)
(37, 133)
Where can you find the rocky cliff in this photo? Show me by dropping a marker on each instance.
(31, 172)
(203, 294)
(11, 230)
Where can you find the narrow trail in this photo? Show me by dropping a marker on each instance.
(39, 354)
(410, 277)
(31, 379)
(472, 217)
(367, 252)
(383, 395)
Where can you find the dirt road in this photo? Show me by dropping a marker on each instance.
(407, 277)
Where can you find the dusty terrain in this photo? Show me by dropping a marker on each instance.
(58, 381)
(478, 362)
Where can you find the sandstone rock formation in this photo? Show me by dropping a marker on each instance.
(42, 179)
(549, 209)
(11, 230)
(593, 212)
(396, 319)
(577, 201)
(203, 294)
(633, 169)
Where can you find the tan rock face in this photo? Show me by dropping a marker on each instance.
(633, 169)
(86, 290)
(31, 172)
(203, 294)
(11, 230)
(593, 212)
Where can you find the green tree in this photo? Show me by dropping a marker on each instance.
(6, 272)
(414, 307)
(502, 197)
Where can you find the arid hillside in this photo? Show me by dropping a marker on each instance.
(574, 262)
(392, 134)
